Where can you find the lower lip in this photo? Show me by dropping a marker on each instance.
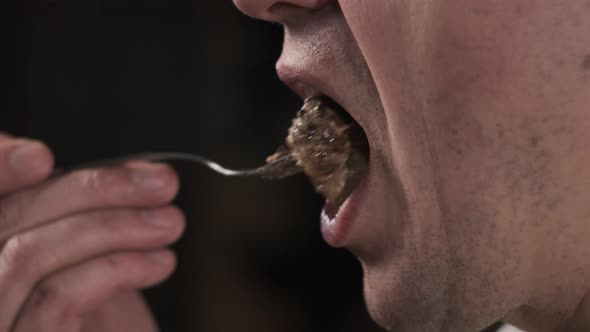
(337, 223)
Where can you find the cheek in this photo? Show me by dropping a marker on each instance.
(499, 107)
(477, 113)
(475, 101)
(493, 109)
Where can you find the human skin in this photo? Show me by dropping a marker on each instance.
(477, 113)
(75, 249)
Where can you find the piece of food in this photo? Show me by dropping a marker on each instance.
(329, 149)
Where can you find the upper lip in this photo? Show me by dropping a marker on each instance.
(316, 60)
(301, 81)
(306, 84)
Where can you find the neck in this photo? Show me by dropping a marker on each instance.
(556, 273)
(530, 319)
(558, 279)
(560, 283)
(580, 321)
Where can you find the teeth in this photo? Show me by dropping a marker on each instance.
(326, 220)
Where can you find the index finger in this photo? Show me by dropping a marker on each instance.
(137, 185)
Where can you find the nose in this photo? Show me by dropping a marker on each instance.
(275, 10)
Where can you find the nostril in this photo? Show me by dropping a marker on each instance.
(311, 4)
(283, 8)
(277, 11)
(255, 8)
(306, 4)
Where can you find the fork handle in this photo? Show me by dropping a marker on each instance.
(279, 169)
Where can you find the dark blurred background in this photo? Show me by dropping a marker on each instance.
(102, 78)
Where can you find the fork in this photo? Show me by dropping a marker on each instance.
(278, 169)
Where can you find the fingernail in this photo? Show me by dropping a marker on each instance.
(28, 158)
(159, 219)
(149, 177)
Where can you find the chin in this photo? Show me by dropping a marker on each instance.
(409, 294)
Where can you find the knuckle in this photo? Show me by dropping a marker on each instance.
(104, 184)
(19, 253)
(25, 258)
(88, 180)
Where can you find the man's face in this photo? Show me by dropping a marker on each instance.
(476, 113)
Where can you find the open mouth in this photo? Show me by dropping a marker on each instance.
(330, 147)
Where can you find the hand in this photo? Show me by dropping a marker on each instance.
(72, 245)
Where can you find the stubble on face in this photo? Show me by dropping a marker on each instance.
(485, 105)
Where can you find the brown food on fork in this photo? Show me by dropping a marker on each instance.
(327, 148)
